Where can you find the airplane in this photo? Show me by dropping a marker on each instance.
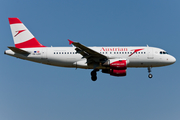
(112, 60)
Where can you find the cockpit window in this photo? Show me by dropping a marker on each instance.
(163, 52)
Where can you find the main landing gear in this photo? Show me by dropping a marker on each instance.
(149, 71)
(94, 75)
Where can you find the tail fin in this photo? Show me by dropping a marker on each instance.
(21, 35)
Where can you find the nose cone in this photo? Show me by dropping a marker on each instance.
(172, 60)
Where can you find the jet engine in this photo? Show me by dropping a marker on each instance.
(117, 67)
(115, 72)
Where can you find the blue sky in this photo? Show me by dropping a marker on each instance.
(35, 91)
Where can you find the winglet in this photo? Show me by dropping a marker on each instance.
(70, 42)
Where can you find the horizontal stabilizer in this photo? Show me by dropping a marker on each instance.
(17, 50)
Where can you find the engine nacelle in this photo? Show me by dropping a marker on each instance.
(117, 64)
(115, 72)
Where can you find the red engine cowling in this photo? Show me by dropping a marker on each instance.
(115, 72)
(118, 65)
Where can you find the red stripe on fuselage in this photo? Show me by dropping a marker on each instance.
(29, 44)
(14, 20)
(136, 50)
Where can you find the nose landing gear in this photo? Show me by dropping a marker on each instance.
(149, 71)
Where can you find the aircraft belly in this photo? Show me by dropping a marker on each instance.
(146, 63)
(63, 62)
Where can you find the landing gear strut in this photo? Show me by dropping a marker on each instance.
(149, 71)
(94, 75)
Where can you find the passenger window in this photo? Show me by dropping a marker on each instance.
(122, 52)
(67, 52)
(114, 52)
(119, 52)
(161, 52)
(59, 52)
(54, 53)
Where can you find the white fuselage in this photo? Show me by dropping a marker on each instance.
(112, 60)
(67, 56)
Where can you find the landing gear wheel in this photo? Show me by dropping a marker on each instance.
(150, 75)
(149, 71)
(94, 78)
(93, 75)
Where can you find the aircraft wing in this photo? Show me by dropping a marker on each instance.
(91, 55)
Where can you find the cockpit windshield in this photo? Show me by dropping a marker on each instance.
(163, 52)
